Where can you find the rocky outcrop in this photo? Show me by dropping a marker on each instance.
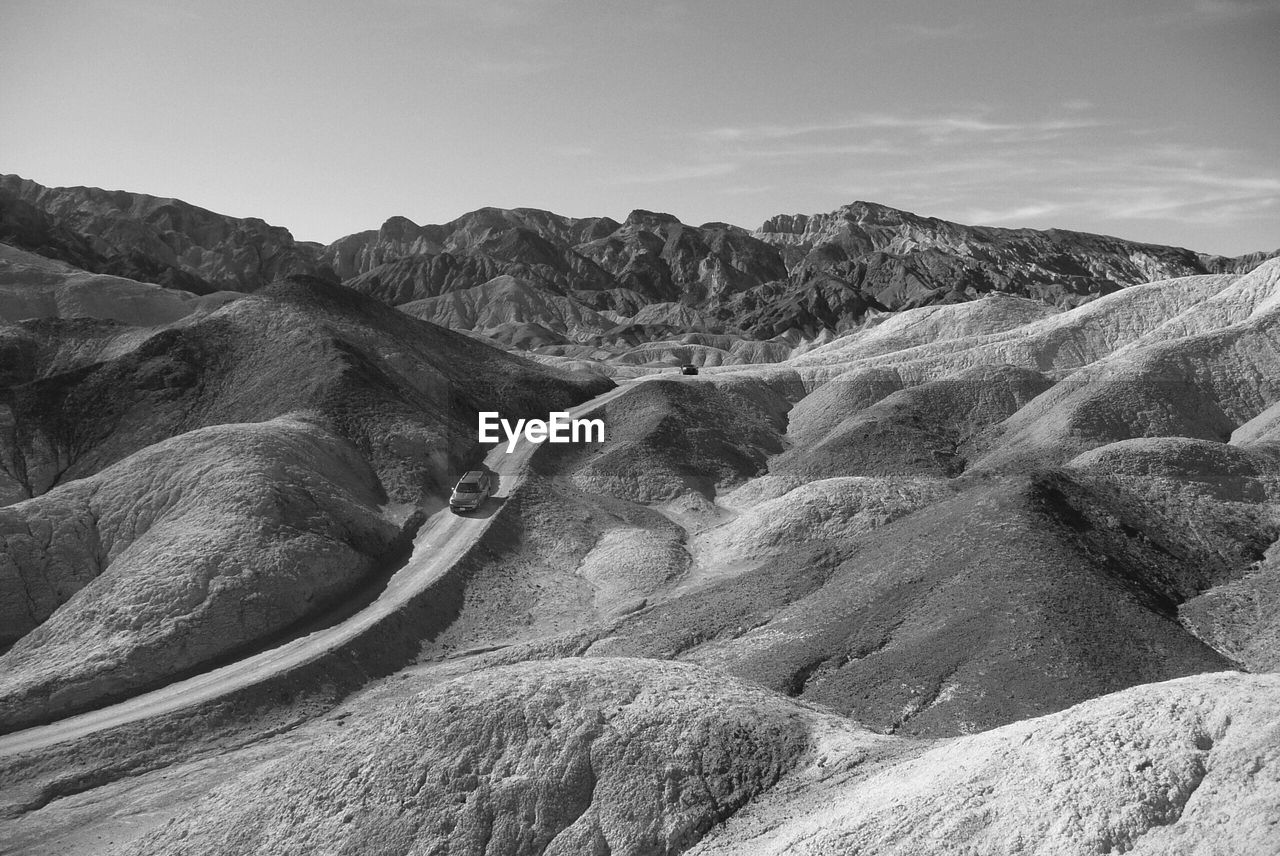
(1011, 256)
(663, 259)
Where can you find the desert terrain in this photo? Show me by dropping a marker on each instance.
(960, 539)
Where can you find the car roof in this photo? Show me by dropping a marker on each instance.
(474, 475)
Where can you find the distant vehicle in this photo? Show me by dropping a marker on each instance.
(471, 491)
(688, 368)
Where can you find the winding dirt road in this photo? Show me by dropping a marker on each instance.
(442, 541)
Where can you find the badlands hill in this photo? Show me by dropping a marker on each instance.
(185, 551)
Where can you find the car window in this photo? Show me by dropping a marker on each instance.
(468, 487)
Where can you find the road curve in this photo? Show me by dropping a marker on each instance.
(441, 542)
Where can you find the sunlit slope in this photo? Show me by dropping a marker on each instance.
(845, 428)
(1166, 769)
(186, 550)
(618, 755)
(568, 758)
(32, 286)
(1203, 385)
(925, 343)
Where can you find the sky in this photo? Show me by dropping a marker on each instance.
(1153, 120)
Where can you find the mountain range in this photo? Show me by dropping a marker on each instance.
(568, 285)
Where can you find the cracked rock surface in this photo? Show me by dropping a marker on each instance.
(562, 758)
(1182, 767)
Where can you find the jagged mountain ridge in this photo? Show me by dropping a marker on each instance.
(147, 238)
(797, 272)
(797, 275)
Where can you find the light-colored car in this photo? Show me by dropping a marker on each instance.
(471, 491)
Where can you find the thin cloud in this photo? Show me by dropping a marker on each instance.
(1010, 216)
(876, 147)
(748, 190)
(930, 126)
(1183, 205)
(666, 175)
(979, 165)
(1110, 180)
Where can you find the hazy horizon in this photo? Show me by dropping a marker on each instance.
(1148, 120)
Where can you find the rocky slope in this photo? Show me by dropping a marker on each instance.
(184, 490)
(185, 551)
(669, 439)
(403, 391)
(624, 756)
(905, 255)
(796, 273)
(971, 612)
(164, 241)
(606, 756)
(1184, 767)
(33, 286)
